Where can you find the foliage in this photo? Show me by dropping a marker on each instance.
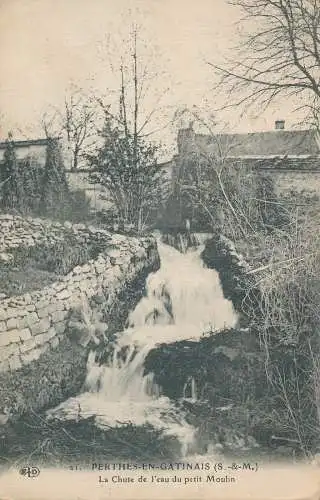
(127, 167)
(280, 296)
(56, 443)
(61, 257)
(54, 182)
(27, 187)
(76, 208)
(15, 280)
(290, 291)
(31, 174)
(288, 315)
(32, 268)
(228, 196)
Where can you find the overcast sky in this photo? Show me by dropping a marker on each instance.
(46, 44)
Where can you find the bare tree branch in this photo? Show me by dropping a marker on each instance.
(280, 55)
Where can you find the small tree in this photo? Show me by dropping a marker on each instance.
(126, 164)
(127, 167)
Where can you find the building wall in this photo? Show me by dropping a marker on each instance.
(286, 181)
(98, 196)
(303, 178)
(37, 152)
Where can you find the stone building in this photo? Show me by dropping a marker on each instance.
(291, 156)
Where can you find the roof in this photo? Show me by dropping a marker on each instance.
(25, 143)
(257, 144)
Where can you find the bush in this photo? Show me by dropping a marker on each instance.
(282, 300)
(29, 188)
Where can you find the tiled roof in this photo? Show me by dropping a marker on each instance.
(272, 143)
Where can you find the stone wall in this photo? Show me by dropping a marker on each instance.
(18, 231)
(37, 350)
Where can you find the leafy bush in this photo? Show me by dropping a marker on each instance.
(27, 187)
(126, 165)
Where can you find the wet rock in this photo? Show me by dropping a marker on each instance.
(3, 418)
(226, 366)
(6, 257)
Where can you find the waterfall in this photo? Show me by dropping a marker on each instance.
(183, 301)
(186, 240)
(190, 389)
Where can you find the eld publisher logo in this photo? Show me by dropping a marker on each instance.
(29, 472)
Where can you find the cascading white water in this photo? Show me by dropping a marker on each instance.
(190, 389)
(184, 300)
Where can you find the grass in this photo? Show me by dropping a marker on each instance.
(33, 268)
(280, 300)
(56, 443)
(17, 281)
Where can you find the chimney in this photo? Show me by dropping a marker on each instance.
(279, 124)
(186, 139)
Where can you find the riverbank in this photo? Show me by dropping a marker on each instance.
(272, 283)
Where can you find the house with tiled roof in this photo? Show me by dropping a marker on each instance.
(291, 156)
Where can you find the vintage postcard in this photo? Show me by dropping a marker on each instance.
(159, 249)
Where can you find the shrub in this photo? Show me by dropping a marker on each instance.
(27, 187)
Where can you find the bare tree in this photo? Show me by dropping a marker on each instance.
(50, 124)
(134, 70)
(228, 193)
(78, 122)
(75, 123)
(280, 54)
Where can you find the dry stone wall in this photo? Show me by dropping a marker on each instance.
(34, 326)
(17, 231)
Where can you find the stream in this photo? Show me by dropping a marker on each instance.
(183, 301)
